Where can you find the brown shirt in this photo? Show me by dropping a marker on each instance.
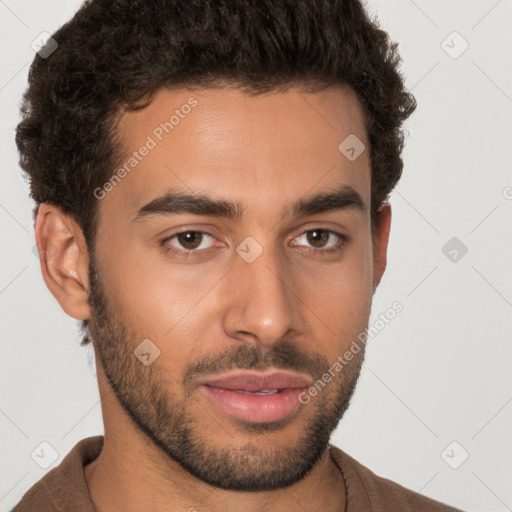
(63, 489)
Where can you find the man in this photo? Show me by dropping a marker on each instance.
(211, 181)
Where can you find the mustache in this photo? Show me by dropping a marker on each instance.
(284, 355)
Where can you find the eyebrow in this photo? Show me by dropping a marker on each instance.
(175, 202)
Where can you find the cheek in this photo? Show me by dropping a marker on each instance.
(159, 303)
(154, 296)
(347, 281)
(340, 296)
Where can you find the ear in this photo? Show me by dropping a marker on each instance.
(380, 243)
(64, 259)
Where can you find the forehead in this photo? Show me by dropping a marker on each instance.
(262, 150)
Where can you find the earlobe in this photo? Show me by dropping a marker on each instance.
(381, 243)
(64, 260)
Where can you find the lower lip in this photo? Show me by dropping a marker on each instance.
(255, 408)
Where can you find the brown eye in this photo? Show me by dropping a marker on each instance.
(318, 237)
(189, 242)
(321, 241)
(190, 239)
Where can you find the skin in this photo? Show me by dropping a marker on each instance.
(290, 308)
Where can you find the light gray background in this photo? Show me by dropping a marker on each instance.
(438, 373)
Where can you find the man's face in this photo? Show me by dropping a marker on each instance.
(267, 290)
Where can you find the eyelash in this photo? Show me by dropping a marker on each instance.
(187, 253)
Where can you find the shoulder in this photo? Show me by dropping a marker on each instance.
(368, 491)
(64, 487)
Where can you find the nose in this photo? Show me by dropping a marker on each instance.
(262, 306)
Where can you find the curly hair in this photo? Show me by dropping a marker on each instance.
(114, 55)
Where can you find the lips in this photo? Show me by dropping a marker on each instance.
(256, 396)
(258, 381)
